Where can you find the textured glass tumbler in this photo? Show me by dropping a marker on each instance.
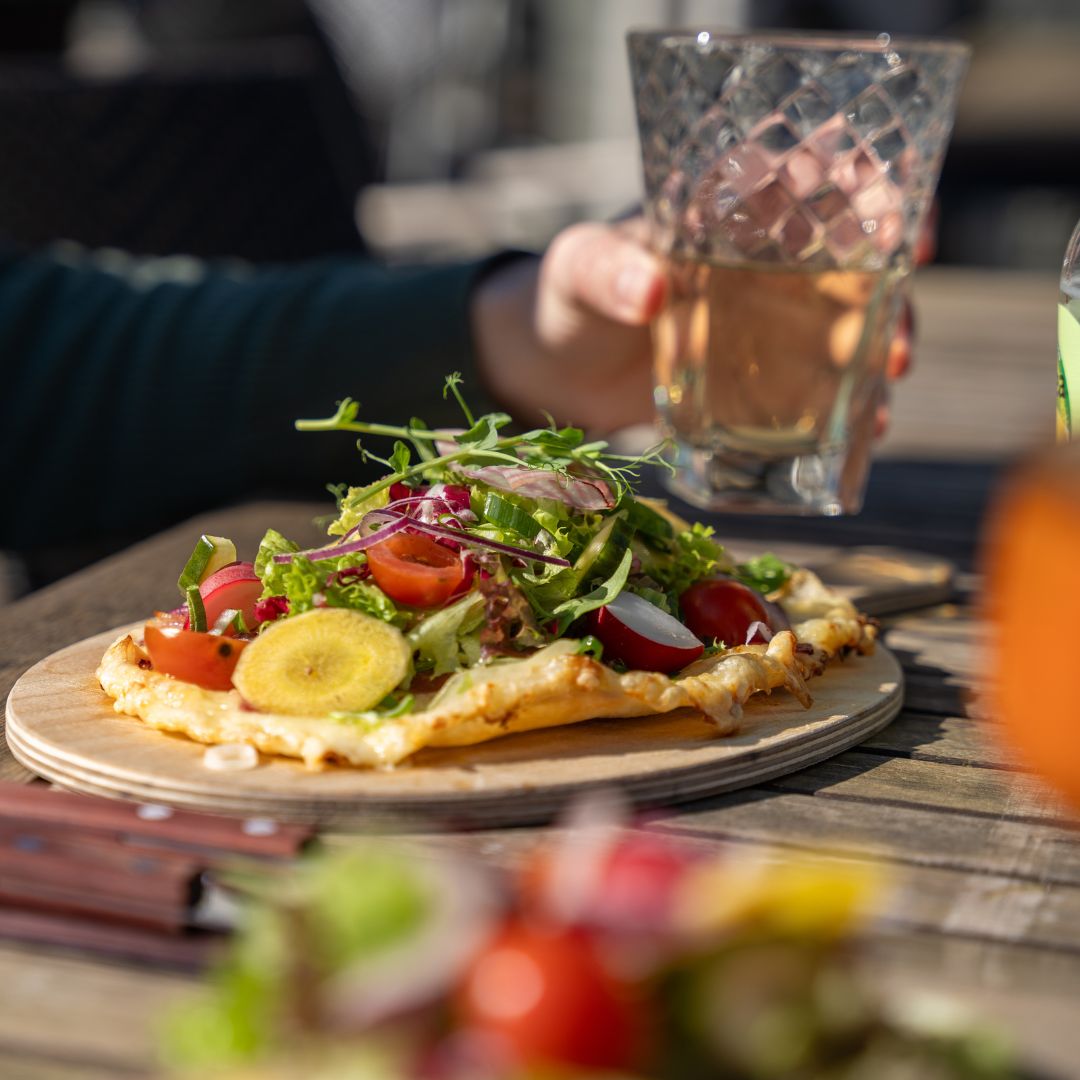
(787, 178)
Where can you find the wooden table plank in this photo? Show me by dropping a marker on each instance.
(983, 385)
(869, 778)
(957, 661)
(1027, 995)
(912, 835)
(928, 693)
(60, 1009)
(35, 1064)
(951, 740)
(921, 896)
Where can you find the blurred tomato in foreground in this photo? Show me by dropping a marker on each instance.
(546, 995)
(1032, 564)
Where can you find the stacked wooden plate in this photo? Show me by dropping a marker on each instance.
(62, 726)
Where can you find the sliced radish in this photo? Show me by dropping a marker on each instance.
(758, 633)
(236, 586)
(643, 636)
(778, 619)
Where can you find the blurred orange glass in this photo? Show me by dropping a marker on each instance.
(1032, 564)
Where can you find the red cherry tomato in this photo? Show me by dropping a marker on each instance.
(414, 570)
(543, 995)
(723, 609)
(207, 660)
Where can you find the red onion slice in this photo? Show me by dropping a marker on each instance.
(758, 633)
(332, 551)
(448, 500)
(439, 501)
(462, 537)
(403, 506)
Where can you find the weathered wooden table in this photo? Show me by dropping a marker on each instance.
(986, 862)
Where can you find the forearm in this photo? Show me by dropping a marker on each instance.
(130, 400)
(508, 355)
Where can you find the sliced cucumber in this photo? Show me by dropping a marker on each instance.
(196, 610)
(604, 551)
(505, 515)
(210, 555)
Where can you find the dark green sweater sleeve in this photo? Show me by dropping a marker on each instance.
(138, 391)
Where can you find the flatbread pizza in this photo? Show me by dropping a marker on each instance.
(490, 583)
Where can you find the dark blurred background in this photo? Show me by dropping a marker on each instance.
(272, 129)
(280, 129)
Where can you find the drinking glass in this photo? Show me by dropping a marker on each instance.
(787, 178)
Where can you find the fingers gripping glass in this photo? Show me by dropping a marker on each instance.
(786, 182)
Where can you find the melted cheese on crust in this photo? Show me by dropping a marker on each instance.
(550, 688)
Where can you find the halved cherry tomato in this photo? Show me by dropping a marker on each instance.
(544, 995)
(723, 609)
(412, 569)
(207, 660)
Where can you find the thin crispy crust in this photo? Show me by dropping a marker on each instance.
(553, 687)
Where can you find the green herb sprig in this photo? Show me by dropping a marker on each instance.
(560, 450)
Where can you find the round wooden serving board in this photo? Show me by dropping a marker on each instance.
(61, 725)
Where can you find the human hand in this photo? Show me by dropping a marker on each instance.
(569, 333)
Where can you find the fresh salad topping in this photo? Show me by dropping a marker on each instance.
(479, 544)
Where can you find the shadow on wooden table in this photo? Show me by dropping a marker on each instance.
(932, 506)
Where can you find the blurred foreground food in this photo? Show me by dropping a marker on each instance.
(1032, 595)
(613, 953)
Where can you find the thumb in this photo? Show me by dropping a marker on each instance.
(597, 267)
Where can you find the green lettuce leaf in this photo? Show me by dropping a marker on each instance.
(363, 596)
(270, 573)
(654, 596)
(306, 584)
(438, 639)
(766, 573)
(602, 594)
(354, 506)
(695, 555)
